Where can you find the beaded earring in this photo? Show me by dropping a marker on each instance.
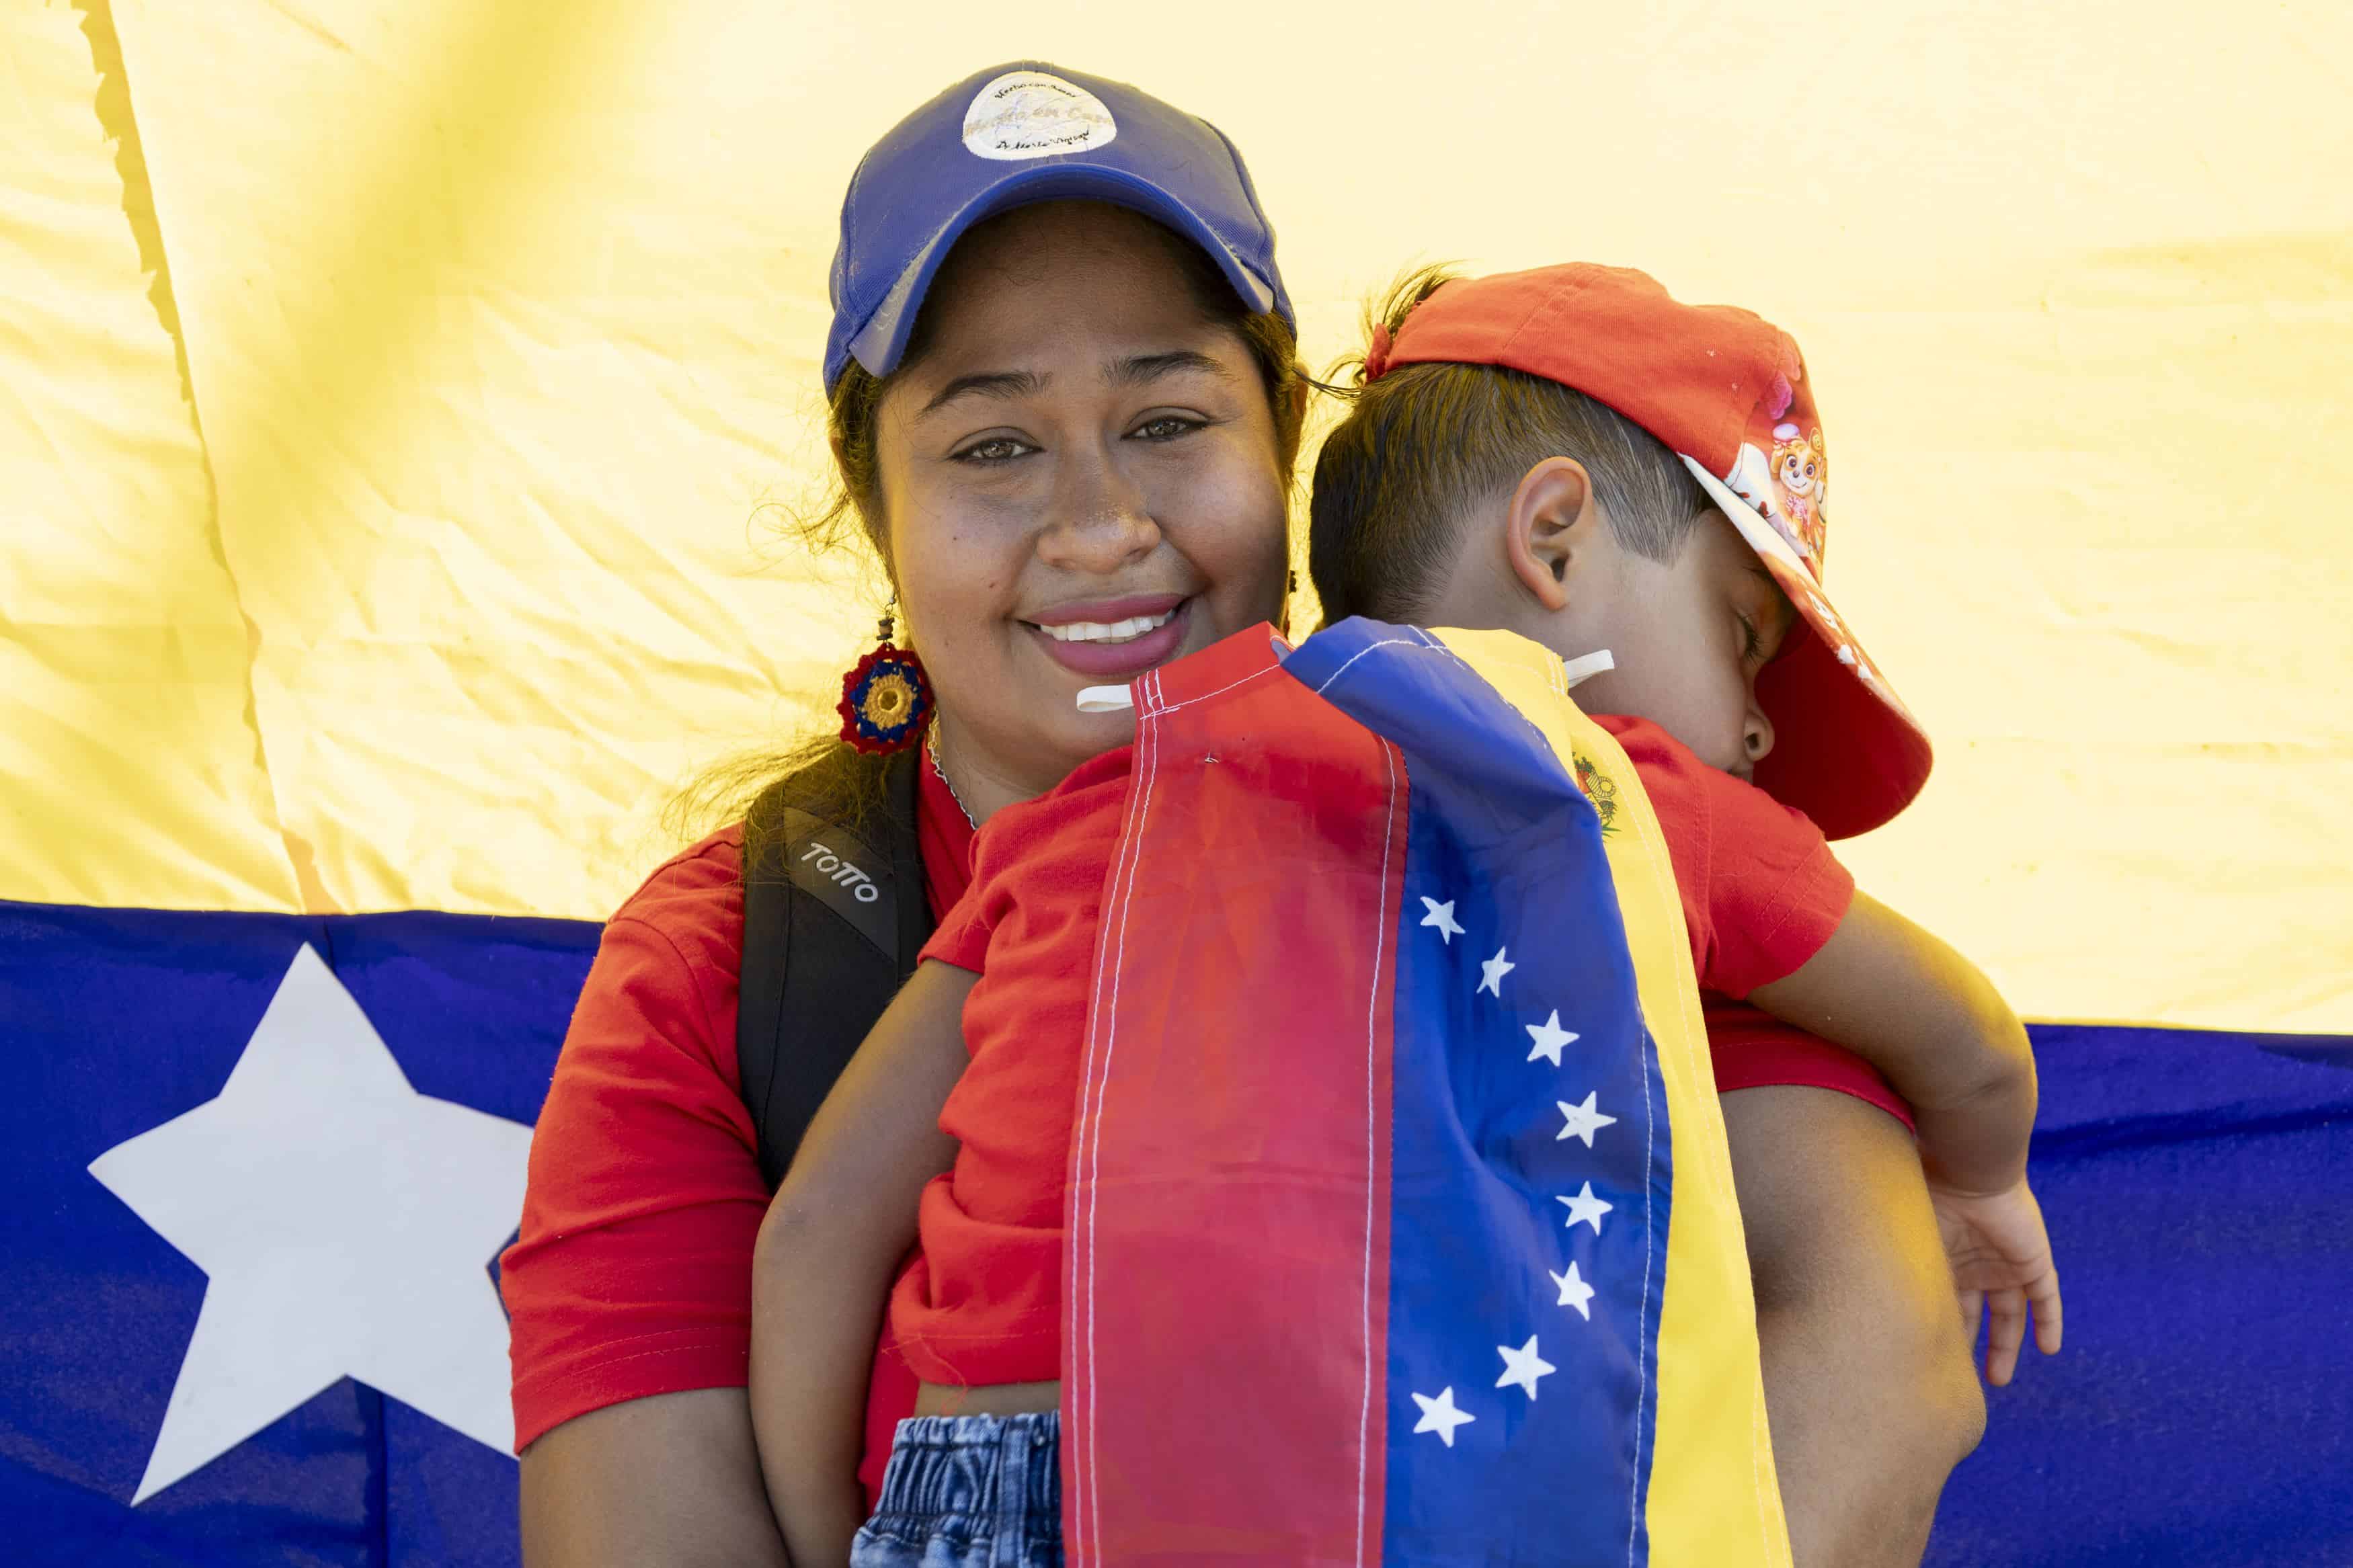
(884, 698)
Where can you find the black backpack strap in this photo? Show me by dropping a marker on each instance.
(833, 919)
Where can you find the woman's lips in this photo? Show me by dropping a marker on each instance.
(1108, 662)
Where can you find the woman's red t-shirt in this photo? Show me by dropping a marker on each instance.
(633, 1275)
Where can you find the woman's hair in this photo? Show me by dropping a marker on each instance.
(852, 517)
(1425, 443)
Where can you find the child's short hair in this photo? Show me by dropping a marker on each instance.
(1424, 442)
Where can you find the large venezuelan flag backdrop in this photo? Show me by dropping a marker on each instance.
(390, 395)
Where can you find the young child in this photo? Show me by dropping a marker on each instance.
(1571, 454)
(1690, 617)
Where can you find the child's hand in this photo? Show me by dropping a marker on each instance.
(2002, 1263)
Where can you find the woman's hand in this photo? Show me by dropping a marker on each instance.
(2002, 1268)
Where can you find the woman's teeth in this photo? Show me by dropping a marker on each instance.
(1117, 631)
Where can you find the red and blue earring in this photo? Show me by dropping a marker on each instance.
(885, 698)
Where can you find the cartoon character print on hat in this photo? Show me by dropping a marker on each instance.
(1803, 474)
(1035, 114)
(1783, 470)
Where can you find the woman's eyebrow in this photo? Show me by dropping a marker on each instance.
(987, 383)
(1137, 369)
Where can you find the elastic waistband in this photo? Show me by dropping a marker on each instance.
(1004, 1467)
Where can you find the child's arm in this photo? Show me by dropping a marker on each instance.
(834, 1236)
(1930, 1020)
(1925, 1017)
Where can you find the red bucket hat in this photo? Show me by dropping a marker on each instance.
(1726, 391)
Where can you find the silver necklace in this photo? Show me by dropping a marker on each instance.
(931, 749)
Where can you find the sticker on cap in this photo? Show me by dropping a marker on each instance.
(1035, 114)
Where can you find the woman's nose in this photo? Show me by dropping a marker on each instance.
(1098, 521)
(1757, 734)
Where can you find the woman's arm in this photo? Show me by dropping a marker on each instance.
(1929, 1019)
(671, 1480)
(628, 1294)
(821, 1274)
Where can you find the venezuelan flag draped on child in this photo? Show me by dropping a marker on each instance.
(1383, 1248)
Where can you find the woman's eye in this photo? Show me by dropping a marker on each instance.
(1165, 427)
(994, 449)
(1751, 644)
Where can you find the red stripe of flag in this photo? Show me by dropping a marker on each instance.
(1232, 1135)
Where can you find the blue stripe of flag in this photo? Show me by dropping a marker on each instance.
(1480, 1239)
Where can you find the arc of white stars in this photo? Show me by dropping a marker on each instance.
(1583, 1121)
(1491, 973)
(1442, 917)
(1441, 1416)
(1550, 1038)
(1574, 1291)
(1585, 1208)
(1522, 1366)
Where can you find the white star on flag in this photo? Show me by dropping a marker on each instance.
(1584, 1120)
(1549, 1037)
(1522, 1366)
(346, 1224)
(1574, 1291)
(1440, 1415)
(1491, 973)
(1586, 1208)
(1442, 917)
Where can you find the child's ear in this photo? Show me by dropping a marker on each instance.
(1548, 526)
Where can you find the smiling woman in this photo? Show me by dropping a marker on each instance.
(1064, 408)
(1081, 473)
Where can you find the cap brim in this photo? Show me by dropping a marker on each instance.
(1846, 752)
(878, 343)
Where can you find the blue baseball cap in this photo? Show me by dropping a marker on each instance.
(1027, 132)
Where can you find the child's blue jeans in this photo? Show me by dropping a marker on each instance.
(969, 1491)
